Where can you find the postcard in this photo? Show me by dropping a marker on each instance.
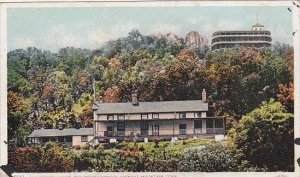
(170, 88)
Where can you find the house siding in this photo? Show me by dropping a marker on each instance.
(76, 140)
(139, 116)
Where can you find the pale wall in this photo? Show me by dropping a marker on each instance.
(161, 116)
(76, 140)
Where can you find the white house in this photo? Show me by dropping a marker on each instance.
(163, 120)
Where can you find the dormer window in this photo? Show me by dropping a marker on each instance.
(197, 114)
(110, 117)
(121, 117)
(182, 115)
(144, 116)
(155, 116)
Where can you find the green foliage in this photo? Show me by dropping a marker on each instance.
(46, 87)
(265, 137)
(214, 157)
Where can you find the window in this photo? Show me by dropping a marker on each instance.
(45, 139)
(53, 139)
(144, 128)
(197, 114)
(209, 123)
(155, 129)
(61, 139)
(69, 139)
(182, 115)
(109, 128)
(110, 117)
(182, 129)
(155, 116)
(84, 138)
(121, 126)
(197, 124)
(144, 116)
(121, 117)
(182, 126)
(144, 125)
(219, 123)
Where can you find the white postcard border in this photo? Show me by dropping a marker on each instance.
(98, 3)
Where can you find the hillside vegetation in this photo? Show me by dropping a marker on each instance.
(46, 87)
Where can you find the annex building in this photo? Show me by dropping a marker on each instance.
(258, 37)
(163, 120)
(67, 136)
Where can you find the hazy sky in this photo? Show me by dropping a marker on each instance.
(54, 28)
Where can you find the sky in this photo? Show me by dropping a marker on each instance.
(90, 27)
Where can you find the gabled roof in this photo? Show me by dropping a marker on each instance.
(150, 107)
(63, 132)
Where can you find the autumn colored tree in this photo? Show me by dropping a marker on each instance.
(111, 95)
(286, 95)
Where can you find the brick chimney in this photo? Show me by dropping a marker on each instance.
(134, 99)
(204, 96)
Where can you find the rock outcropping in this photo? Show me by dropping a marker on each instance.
(194, 40)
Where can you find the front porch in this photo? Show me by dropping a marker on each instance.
(163, 129)
(66, 140)
(154, 137)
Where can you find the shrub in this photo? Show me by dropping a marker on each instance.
(161, 165)
(210, 158)
(55, 159)
(25, 159)
(48, 158)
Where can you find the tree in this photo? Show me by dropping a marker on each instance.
(265, 137)
(286, 95)
(18, 111)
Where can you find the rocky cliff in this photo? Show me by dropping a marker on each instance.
(194, 40)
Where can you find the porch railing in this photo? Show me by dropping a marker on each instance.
(182, 131)
(215, 130)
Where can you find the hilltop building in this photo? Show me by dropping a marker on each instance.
(257, 37)
(165, 120)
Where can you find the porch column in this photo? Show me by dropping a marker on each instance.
(214, 128)
(223, 125)
(204, 126)
(173, 127)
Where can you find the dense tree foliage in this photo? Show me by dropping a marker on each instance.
(48, 158)
(265, 137)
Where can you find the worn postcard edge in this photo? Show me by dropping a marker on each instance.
(97, 3)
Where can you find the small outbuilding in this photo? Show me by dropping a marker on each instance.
(67, 136)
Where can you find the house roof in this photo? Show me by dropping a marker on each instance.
(63, 132)
(258, 25)
(150, 107)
